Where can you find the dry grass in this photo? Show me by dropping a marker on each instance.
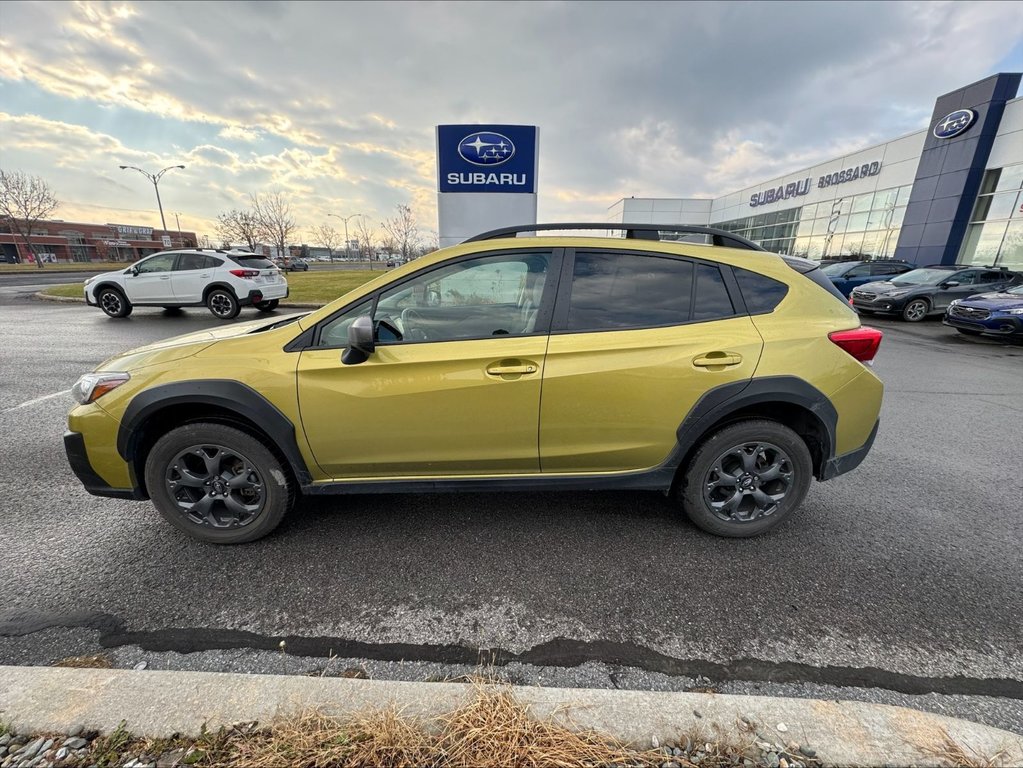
(955, 755)
(99, 661)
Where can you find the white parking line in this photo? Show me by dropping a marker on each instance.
(37, 400)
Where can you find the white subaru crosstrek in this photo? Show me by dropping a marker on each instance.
(222, 281)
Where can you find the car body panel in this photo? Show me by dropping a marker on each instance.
(999, 313)
(856, 273)
(424, 408)
(613, 400)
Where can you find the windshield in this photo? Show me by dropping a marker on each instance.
(1017, 291)
(833, 270)
(922, 277)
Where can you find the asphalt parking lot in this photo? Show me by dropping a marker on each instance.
(900, 582)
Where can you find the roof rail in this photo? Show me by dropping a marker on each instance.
(632, 232)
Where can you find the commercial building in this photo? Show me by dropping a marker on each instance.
(66, 241)
(951, 193)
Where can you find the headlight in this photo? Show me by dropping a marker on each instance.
(94, 385)
(1017, 311)
(954, 302)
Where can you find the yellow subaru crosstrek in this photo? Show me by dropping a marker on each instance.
(719, 373)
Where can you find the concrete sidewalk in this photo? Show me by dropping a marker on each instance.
(156, 704)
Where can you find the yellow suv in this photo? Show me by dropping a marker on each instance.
(713, 371)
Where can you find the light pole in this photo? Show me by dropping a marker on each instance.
(155, 178)
(345, 220)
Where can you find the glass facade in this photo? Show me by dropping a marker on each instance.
(995, 236)
(865, 226)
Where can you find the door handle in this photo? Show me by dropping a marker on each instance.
(165, 277)
(718, 359)
(500, 369)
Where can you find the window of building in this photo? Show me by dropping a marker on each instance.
(991, 239)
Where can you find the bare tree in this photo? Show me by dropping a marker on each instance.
(429, 243)
(273, 212)
(403, 229)
(365, 234)
(239, 227)
(204, 241)
(25, 200)
(328, 237)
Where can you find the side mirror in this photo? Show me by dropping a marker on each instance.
(360, 341)
(134, 271)
(949, 284)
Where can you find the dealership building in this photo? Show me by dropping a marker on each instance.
(57, 241)
(951, 193)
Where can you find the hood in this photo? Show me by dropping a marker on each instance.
(880, 287)
(994, 300)
(178, 347)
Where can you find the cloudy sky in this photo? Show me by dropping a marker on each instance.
(335, 103)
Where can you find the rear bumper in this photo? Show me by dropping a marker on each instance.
(78, 458)
(257, 295)
(847, 462)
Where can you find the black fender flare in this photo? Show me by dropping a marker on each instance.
(229, 396)
(716, 404)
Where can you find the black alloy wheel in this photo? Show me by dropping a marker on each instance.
(746, 477)
(268, 305)
(114, 303)
(915, 310)
(217, 483)
(223, 304)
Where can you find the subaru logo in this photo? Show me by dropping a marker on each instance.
(954, 123)
(485, 148)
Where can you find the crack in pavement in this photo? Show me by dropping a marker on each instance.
(559, 652)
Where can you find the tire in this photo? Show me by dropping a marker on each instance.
(210, 459)
(968, 332)
(916, 310)
(705, 496)
(223, 304)
(267, 306)
(113, 303)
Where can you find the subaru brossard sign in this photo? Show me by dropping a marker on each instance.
(486, 158)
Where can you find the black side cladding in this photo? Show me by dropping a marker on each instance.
(811, 270)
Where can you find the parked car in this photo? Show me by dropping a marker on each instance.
(394, 262)
(929, 290)
(222, 281)
(723, 375)
(999, 313)
(846, 275)
(296, 265)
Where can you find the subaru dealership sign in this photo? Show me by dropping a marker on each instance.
(486, 158)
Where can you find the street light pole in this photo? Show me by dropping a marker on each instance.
(345, 220)
(155, 178)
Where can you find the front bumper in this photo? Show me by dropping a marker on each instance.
(879, 304)
(78, 458)
(1000, 325)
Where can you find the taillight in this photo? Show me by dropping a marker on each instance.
(245, 272)
(861, 343)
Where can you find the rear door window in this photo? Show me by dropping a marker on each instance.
(613, 291)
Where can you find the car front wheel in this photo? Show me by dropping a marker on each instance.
(114, 303)
(915, 311)
(217, 483)
(223, 304)
(267, 306)
(746, 478)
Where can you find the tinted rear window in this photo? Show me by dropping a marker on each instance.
(712, 299)
(761, 294)
(252, 262)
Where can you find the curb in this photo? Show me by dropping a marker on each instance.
(74, 300)
(157, 704)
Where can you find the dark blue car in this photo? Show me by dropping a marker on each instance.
(846, 275)
(999, 313)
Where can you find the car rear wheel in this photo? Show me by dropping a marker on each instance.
(114, 303)
(267, 306)
(223, 304)
(746, 478)
(217, 483)
(916, 310)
